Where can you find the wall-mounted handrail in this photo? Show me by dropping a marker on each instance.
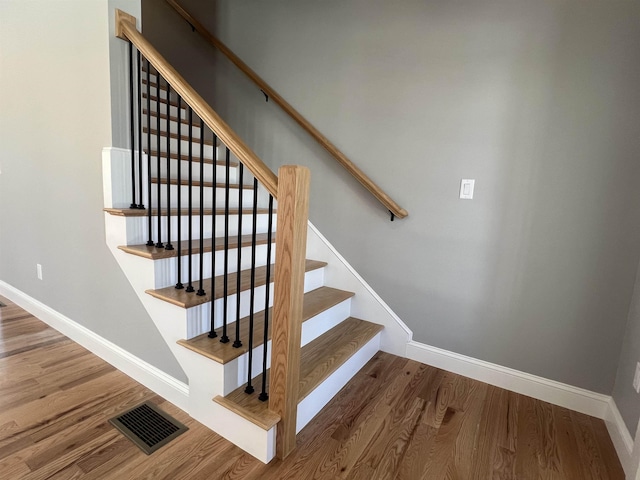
(126, 29)
(352, 168)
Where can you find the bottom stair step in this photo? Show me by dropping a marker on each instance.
(315, 302)
(319, 359)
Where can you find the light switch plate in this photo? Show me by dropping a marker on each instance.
(466, 188)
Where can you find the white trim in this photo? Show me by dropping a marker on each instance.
(366, 303)
(621, 438)
(353, 272)
(174, 390)
(568, 396)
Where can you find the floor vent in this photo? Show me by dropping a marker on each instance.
(148, 427)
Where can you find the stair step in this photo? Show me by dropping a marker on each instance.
(134, 212)
(187, 300)
(154, 84)
(184, 138)
(318, 360)
(172, 118)
(209, 161)
(154, 253)
(315, 302)
(163, 101)
(196, 183)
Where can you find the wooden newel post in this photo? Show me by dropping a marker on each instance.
(291, 246)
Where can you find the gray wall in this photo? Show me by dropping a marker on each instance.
(626, 398)
(538, 101)
(54, 121)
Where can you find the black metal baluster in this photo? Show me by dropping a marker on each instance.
(133, 135)
(149, 213)
(225, 302)
(212, 332)
(158, 161)
(190, 213)
(201, 289)
(249, 388)
(168, 245)
(237, 343)
(140, 204)
(179, 284)
(263, 394)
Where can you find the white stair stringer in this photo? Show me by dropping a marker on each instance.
(207, 378)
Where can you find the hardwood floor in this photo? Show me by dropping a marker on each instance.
(397, 419)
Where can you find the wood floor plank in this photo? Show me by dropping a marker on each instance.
(588, 448)
(395, 419)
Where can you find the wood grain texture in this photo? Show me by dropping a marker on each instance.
(315, 302)
(171, 118)
(154, 253)
(318, 359)
(286, 329)
(201, 108)
(184, 299)
(194, 140)
(134, 212)
(197, 183)
(351, 167)
(376, 427)
(206, 161)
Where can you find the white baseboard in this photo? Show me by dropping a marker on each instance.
(574, 398)
(621, 438)
(174, 390)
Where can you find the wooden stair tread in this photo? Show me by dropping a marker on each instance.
(196, 183)
(173, 103)
(154, 84)
(154, 253)
(135, 212)
(318, 359)
(187, 300)
(315, 302)
(171, 118)
(208, 161)
(174, 135)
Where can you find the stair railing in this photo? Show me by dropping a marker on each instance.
(394, 209)
(290, 188)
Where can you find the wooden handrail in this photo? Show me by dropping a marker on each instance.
(126, 29)
(375, 190)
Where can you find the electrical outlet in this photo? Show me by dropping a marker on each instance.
(39, 271)
(636, 378)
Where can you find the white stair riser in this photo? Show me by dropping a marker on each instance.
(311, 329)
(247, 226)
(173, 124)
(221, 171)
(184, 146)
(199, 317)
(310, 406)
(173, 110)
(234, 196)
(166, 269)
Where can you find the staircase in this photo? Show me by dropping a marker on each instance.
(202, 259)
